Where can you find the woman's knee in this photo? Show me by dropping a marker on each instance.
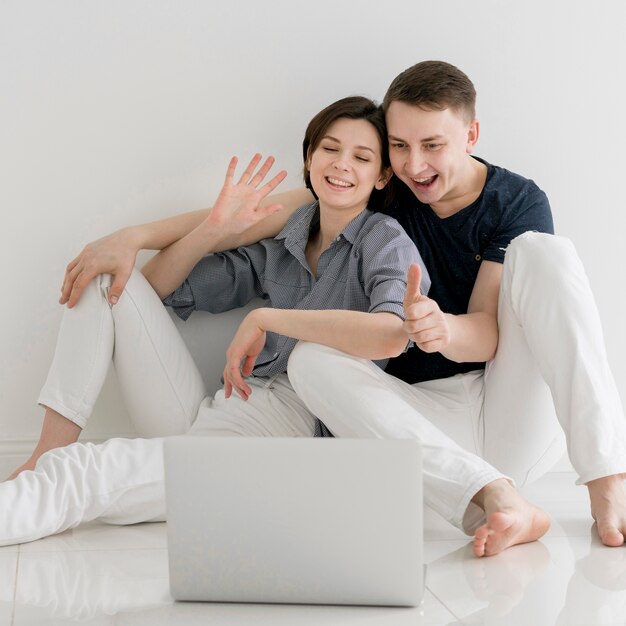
(309, 360)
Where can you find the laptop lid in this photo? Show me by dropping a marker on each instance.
(316, 521)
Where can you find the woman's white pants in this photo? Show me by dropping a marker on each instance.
(474, 428)
(121, 480)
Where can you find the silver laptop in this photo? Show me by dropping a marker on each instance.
(313, 521)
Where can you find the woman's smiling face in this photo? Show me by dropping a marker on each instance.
(347, 165)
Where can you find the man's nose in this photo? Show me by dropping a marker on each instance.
(414, 163)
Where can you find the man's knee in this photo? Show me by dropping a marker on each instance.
(541, 248)
(542, 254)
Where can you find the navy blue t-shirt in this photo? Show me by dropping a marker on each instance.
(454, 247)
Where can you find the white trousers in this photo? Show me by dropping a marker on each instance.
(550, 377)
(549, 329)
(121, 481)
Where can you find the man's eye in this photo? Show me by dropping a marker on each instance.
(398, 146)
(433, 146)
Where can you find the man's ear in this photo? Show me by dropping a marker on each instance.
(472, 136)
(384, 177)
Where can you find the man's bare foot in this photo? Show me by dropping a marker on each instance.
(510, 519)
(608, 507)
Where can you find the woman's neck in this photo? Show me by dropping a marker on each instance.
(332, 223)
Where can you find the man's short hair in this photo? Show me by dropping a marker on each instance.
(434, 85)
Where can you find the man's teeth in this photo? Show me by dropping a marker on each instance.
(421, 181)
(340, 183)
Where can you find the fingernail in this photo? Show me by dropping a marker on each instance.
(113, 299)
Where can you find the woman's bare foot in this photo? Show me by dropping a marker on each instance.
(57, 431)
(608, 507)
(29, 465)
(510, 519)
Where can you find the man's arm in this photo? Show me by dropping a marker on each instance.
(367, 335)
(117, 253)
(472, 336)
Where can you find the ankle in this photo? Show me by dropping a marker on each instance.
(613, 480)
(500, 485)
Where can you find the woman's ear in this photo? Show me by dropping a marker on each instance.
(385, 175)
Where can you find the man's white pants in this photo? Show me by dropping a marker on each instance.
(549, 328)
(550, 376)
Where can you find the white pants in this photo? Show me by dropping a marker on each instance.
(550, 355)
(549, 328)
(121, 481)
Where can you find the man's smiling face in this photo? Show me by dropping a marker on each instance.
(429, 151)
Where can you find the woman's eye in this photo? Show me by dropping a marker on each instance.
(364, 159)
(329, 149)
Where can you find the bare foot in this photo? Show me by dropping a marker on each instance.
(608, 508)
(29, 465)
(510, 519)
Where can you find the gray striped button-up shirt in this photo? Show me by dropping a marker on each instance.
(364, 269)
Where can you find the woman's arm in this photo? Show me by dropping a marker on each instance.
(169, 268)
(117, 253)
(367, 335)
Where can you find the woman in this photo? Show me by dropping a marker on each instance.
(334, 275)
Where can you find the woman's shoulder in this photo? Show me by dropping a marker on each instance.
(382, 225)
(382, 237)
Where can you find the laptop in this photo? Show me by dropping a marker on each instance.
(311, 521)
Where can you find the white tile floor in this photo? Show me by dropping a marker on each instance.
(100, 574)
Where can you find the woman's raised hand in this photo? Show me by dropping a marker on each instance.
(237, 208)
(238, 205)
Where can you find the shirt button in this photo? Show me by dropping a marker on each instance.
(478, 257)
(275, 355)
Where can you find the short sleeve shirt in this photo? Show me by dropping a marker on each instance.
(364, 269)
(454, 247)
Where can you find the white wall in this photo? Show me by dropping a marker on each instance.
(127, 111)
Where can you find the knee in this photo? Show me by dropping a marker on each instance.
(542, 255)
(309, 361)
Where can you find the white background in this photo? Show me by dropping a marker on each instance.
(121, 112)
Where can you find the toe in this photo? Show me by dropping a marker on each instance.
(610, 536)
(480, 540)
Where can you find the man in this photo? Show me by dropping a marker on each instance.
(532, 318)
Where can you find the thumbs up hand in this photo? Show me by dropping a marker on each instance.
(425, 323)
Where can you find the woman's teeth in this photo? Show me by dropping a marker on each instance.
(339, 183)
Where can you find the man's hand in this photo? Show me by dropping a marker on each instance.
(238, 205)
(242, 354)
(114, 254)
(425, 323)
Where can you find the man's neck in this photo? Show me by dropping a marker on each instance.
(470, 189)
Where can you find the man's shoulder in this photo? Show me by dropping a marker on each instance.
(512, 204)
(505, 187)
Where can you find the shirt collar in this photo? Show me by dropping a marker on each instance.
(296, 230)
